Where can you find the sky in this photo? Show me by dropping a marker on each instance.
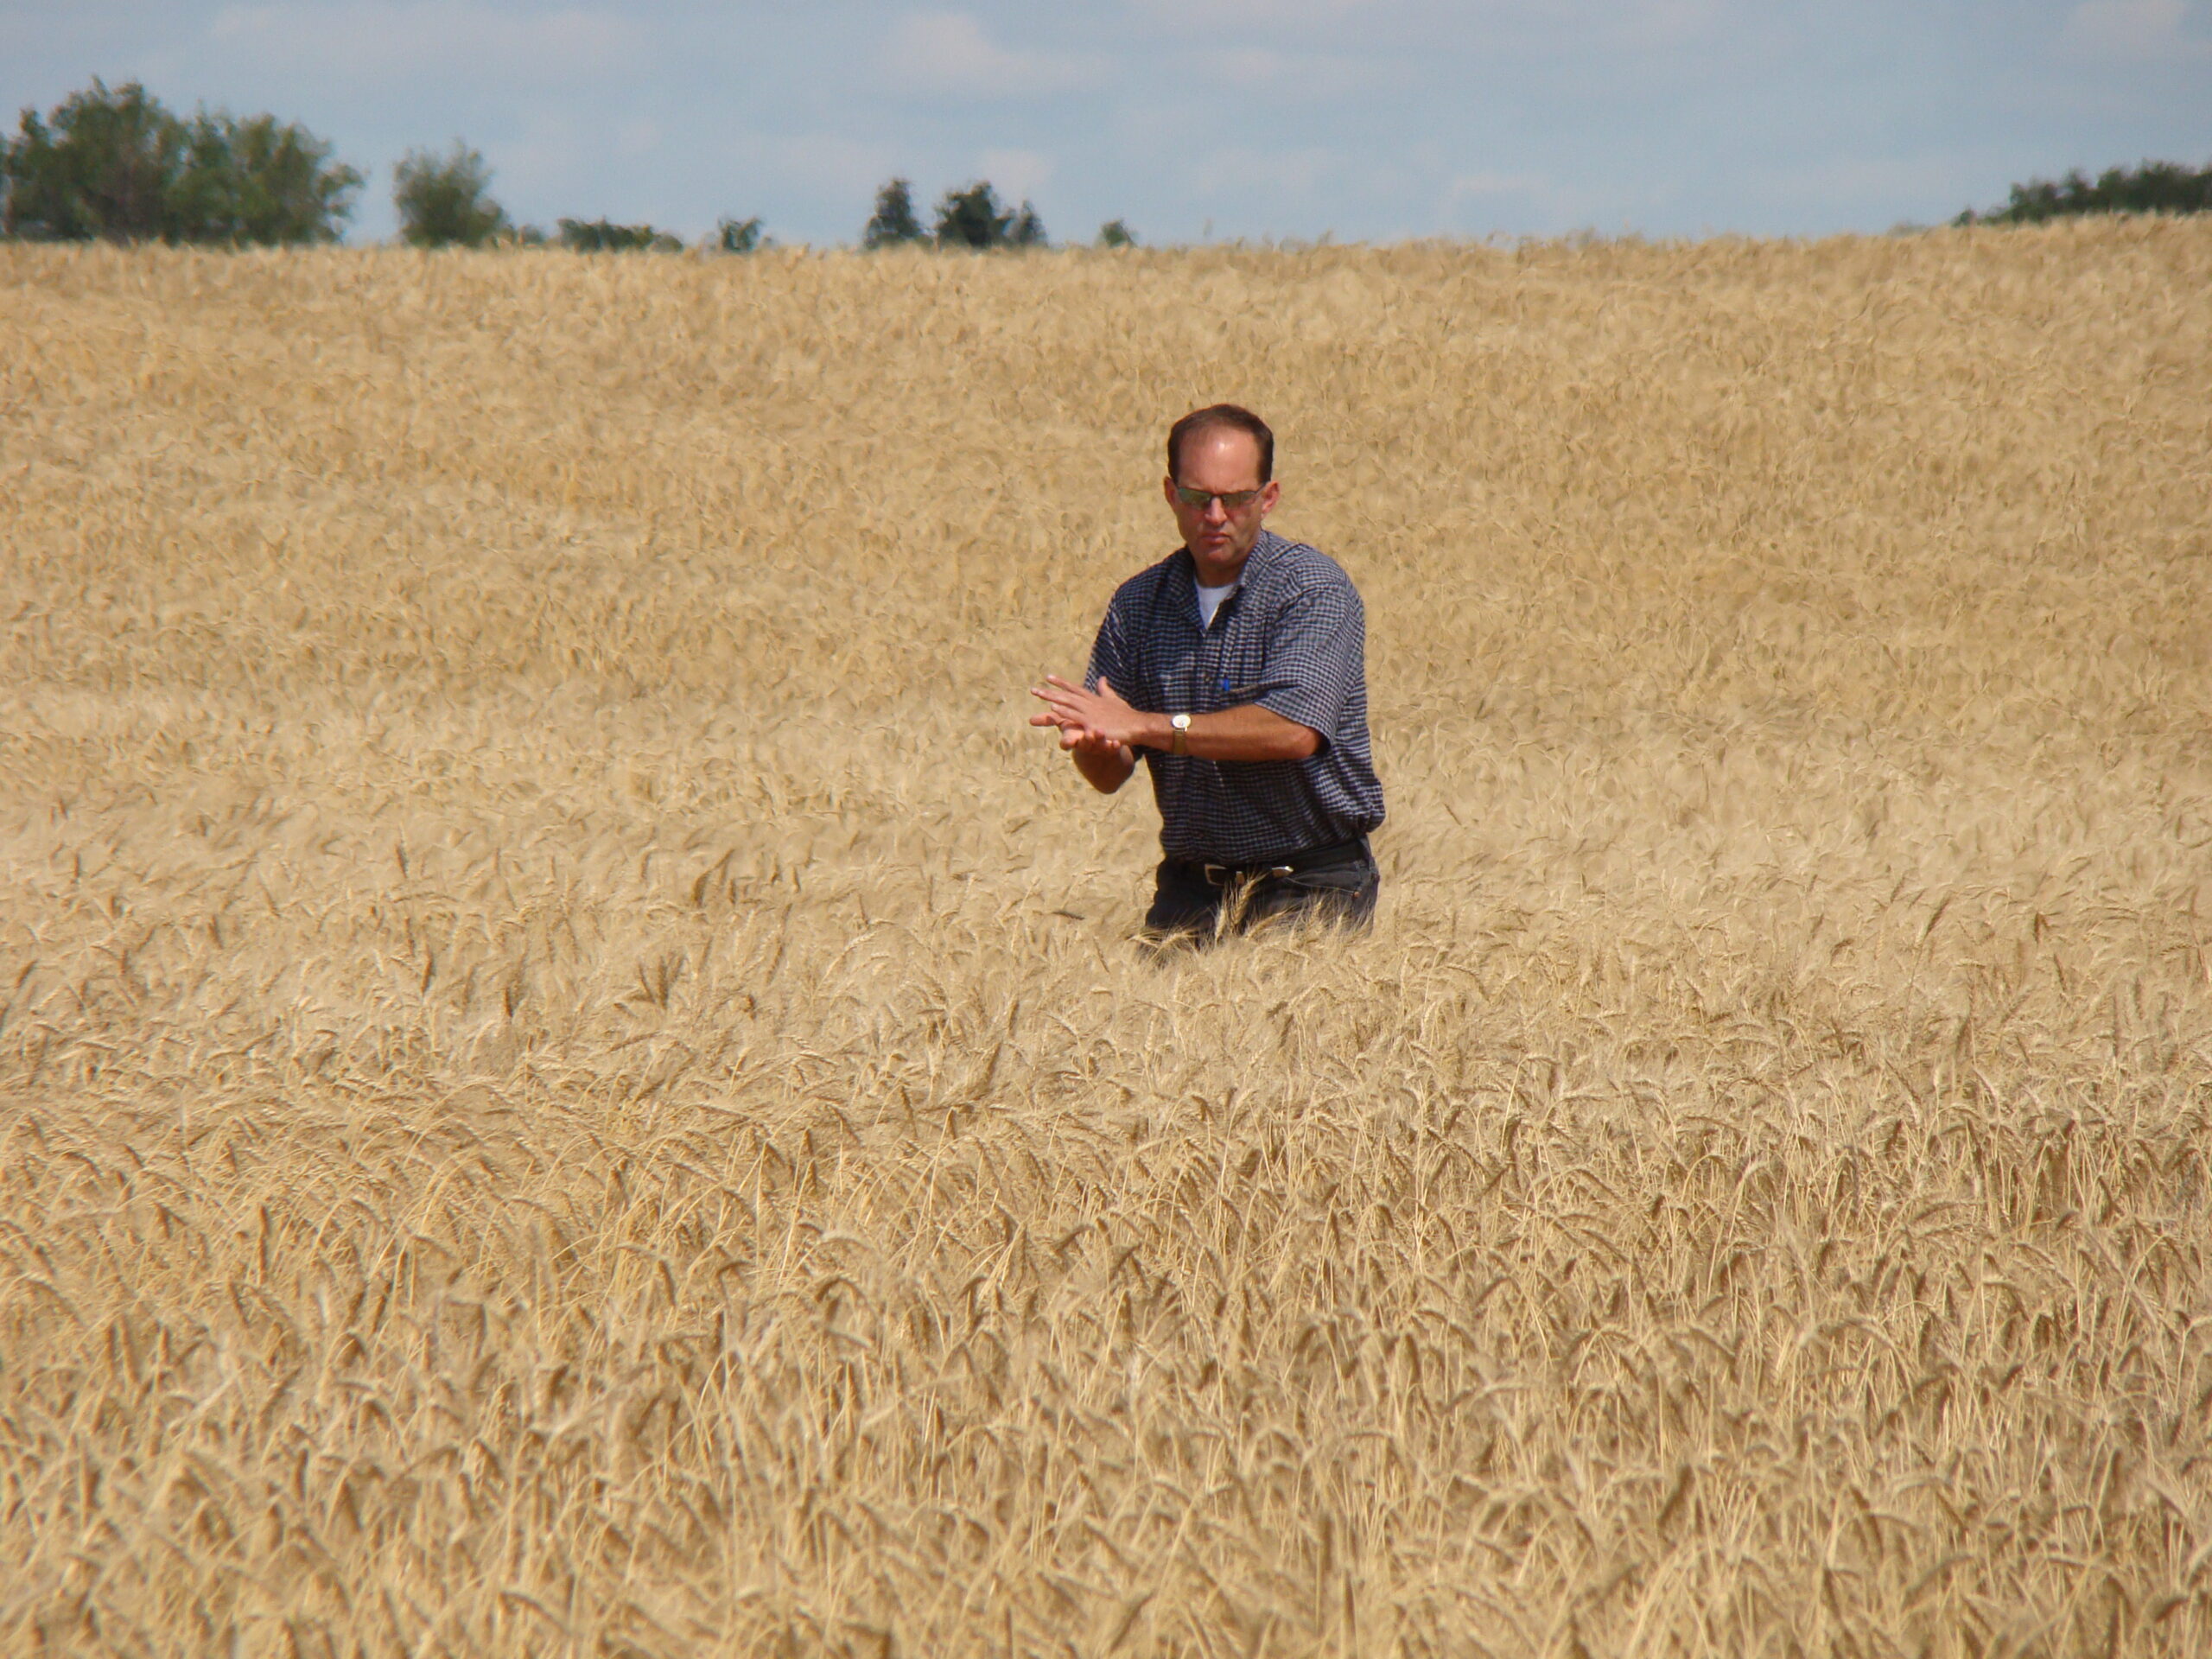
(1192, 120)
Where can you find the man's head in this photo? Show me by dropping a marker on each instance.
(1217, 417)
(1220, 485)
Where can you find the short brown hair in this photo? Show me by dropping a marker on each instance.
(1230, 414)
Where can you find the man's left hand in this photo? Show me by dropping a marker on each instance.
(1104, 714)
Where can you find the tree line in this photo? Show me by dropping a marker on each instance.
(113, 163)
(117, 164)
(2152, 188)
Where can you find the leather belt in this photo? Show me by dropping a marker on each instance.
(1330, 857)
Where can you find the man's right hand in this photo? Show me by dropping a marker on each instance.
(1105, 763)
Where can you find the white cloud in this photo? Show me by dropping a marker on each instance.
(2130, 28)
(384, 39)
(950, 53)
(1205, 17)
(1441, 25)
(1607, 25)
(1483, 186)
(636, 138)
(548, 163)
(1675, 115)
(830, 164)
(1018, 174)
(1864, 182)
(1250, 185)
(1239, 172)
(1252, 65)
(1516, 203)
(1316, 76)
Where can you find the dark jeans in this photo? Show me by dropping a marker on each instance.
(1186, 907)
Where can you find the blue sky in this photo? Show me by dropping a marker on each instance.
(1366, 119)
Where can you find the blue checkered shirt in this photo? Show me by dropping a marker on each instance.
(1293, 637)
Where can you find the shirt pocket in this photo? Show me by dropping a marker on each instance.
(1174, 680)
(1240, 673)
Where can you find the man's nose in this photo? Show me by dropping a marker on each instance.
(1217, 510)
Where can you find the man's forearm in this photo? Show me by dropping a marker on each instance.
(1248, 733)
(1105, 769)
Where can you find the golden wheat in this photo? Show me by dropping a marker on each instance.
(573, 1077)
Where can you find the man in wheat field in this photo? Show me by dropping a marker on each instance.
(1235, 667)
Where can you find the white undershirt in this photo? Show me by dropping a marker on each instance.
(1211, 600)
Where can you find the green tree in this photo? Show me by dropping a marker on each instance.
(2152, 188)
(602, 236)
(893, 221)
(445, 201)
(972, 218)
(116, 163)
(1115, 233)
(104, 163)
(262, 180)
(739, 235)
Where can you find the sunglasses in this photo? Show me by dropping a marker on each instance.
(1234, 500)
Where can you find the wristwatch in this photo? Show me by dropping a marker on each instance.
(1180, 743)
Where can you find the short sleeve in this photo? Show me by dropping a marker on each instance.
(1109, 653)
(1317, 649)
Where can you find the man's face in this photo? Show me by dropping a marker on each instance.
(1221, 460)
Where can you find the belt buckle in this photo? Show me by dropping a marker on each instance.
(1220, 876)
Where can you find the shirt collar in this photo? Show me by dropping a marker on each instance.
(1264, 547)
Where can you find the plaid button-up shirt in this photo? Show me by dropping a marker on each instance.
(1293, 637)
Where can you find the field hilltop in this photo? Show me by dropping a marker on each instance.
(575, 1080)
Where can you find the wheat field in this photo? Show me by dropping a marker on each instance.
(575, 1079)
